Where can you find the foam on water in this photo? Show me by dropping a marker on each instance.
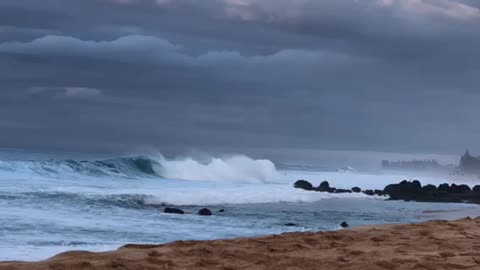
(236, 168)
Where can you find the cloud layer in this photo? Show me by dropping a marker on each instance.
(377, 75)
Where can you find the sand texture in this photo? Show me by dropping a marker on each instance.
(432, 245)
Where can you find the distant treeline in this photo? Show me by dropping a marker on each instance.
(468, 164)
(430, 164)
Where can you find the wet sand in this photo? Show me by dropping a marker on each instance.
(432, 245)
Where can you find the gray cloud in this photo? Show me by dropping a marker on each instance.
(228, 74)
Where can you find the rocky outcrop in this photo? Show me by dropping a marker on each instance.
(325, 187)
(413, 191)
(410, 191)
(303, 184)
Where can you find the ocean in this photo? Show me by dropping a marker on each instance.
(54, 203)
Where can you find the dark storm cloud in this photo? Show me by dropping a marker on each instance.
(386, 75)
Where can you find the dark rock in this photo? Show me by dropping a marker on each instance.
(416, 184)
(342, 191)
(378, 192)
(171, 210)
(291, 225)
(443, 188)
(369, 192)
(429, 189)
(459, 189)
(205, 212)
(303, 184)
(356, 189)
(476, 189)
(404, 190)
(221, 210)
(344, 224)
(324, 187)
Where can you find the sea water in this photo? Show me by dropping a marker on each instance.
(54, 204)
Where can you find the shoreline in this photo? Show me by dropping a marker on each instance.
(428, 245)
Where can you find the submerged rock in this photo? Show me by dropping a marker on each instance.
(344, 224)
(343, 191)
(171, 210)
(205, 212)
(291, 225)
(221, 210)
(356, 189)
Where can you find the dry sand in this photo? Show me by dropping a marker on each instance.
(433, 245)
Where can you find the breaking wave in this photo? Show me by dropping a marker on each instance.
(236, 168)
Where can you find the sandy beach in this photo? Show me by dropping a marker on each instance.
(432, 245)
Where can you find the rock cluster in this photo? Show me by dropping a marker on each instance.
(408, 191)
(201, 212)
(323, 187)
(414, 191)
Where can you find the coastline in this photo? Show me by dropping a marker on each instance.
(428, 245)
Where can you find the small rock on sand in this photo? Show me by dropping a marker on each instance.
(344, 224)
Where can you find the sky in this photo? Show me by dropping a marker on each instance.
(235, 75)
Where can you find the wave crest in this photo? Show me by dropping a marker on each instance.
(236, 168)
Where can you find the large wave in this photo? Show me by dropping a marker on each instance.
(234, 168)
(237, 168)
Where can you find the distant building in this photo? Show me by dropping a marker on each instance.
(469, 163)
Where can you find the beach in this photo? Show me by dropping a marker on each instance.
(430, 245)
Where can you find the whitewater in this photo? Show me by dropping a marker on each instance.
(52, 204)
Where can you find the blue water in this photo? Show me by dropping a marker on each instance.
(49, 205)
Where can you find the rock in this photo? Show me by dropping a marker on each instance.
(342, 191)
(443, 188)
(356, 189)
(291, 225)
(344, 224)
(404, 190)
(429, 189)
(171, 210)
(476, 189)
(221, 210)
(303, 184)
(459, 189)
(325, 187)
(378, 192)
(369, 192)
(205, 212)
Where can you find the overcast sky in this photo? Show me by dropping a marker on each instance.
(117, 75)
